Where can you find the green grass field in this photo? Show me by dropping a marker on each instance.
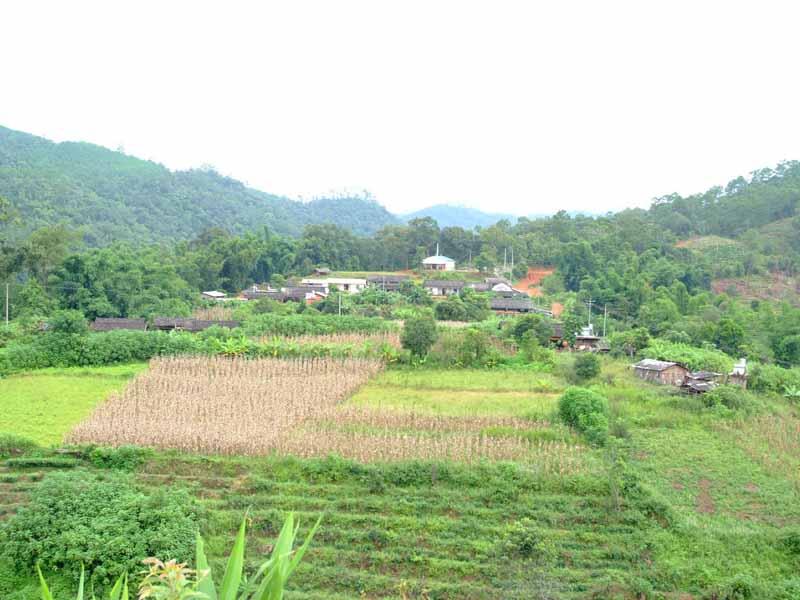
(683, 503)
(44, 405)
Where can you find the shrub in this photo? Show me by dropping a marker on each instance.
(729, 396)
(586, 411)
(694, 358)
(587, 366)
(523, 539)
(419, 336)
(12, 444)
(124, 458)
(473, 349)
(536, 326)
(106, 523)
(452, 309)
(68, 321)
(791, 541)
(771, 378)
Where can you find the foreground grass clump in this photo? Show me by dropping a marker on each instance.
(104, 522)
(44, 405)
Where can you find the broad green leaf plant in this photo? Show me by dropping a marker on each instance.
(174, 581)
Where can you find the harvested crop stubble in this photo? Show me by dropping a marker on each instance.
(213, 313)
(389, 445)
(223, 405)
(352, 339)
(397, 420)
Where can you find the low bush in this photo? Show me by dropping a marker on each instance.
(39, 462)
(418, 336)
(586, 411)
(771, 378)
(124, 458)
(729, 396)
(103, 522)
(587, 366)
(694, 358)
(12, 444)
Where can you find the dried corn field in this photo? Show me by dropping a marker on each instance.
(297, 407)
(222, 405)
(338, 339)
(547, 457)
(214, 313)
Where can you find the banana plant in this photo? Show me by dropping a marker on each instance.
(173, 581)
(269, 581)
(119, 591)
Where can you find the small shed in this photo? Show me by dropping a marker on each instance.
(256, 293)
(586, 340)
(112, 323)
(188, 324)
(739, 374)
(661, 371)
(387, 283)
(324, 271)
(442, 287)
(512, 305)
(214, 295)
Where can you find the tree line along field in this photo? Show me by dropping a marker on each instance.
(421, 504)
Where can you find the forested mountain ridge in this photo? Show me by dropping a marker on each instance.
(447, 215)
(111, 196)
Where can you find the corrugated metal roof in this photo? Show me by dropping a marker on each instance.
(650, 364)
(444, 283)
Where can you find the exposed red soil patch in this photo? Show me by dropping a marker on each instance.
(751, 487)
(773, 286)
(705, 503)
(531, 282)
(677, 485)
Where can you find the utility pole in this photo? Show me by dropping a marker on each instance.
(7, 286)
(589, 303)
(505, 259)
(605, 316)
(512, 262)
(340, 304)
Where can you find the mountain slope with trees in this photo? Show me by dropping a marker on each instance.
(448, 215)
(110, 196)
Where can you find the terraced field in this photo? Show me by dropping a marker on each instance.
(415, 530)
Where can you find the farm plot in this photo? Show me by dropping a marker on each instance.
(300, 408)
(390, 338)
(221, 405)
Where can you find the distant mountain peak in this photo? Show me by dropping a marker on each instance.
(451, 215)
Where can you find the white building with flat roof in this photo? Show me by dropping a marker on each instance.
(351, 285)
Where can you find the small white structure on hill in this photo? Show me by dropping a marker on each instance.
(351, 285)
(214, 295)
(438, 262)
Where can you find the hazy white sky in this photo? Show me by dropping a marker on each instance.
(524, 107)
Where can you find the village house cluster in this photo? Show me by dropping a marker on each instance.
(692, 382)
(504, 299)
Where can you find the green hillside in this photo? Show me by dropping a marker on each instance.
(111, 196)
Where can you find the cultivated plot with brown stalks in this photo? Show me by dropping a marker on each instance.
(222, 405)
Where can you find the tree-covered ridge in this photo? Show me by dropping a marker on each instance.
(768, 195)
(111, 197)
